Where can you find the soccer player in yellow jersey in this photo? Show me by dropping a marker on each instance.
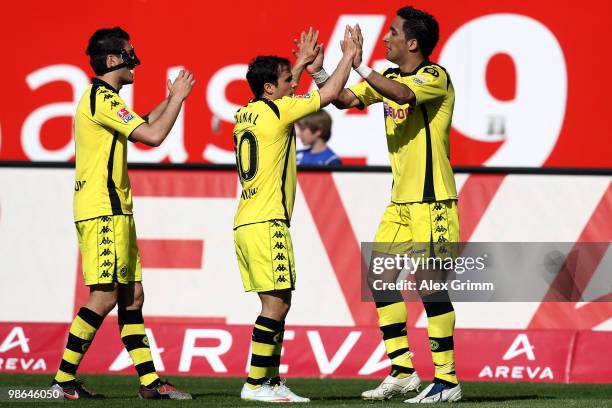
(418, 99)
(103, 124)
(264, 140)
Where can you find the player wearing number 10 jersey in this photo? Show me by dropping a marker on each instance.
(264, 140)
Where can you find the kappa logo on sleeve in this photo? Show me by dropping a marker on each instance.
(125, 115)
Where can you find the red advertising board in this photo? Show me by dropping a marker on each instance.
(197, 348)
(526, 74)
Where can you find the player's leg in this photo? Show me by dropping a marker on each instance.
(97, 252)
(392, 237)
(265, 259)
(439, 221)
(130, 318)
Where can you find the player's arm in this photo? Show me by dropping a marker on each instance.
(157, 111)
(390, 89)
(332, 88)
(346, 99)
(156, 131)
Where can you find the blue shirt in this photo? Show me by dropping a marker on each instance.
(324, 158)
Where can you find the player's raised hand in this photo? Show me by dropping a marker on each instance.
(347, 45)
(182, 85)
(307, 47)
(357, 38)
(317, 64)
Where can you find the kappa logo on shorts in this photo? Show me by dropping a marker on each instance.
(123, 271)
(281, 279)
(442, 250)
(279, 245)
(106, 263)
(441, 229)
(280, 257)
(439, 218)
(106, 241)
(442, 239)
(105, 218)
(105, 230)
(281, 268)
(105, 274)
(278, 234)
(437, 207)
(106, 252)
(276, 223)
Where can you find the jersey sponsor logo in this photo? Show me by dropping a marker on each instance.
(401, 113)
(125, 115)
(304, 96)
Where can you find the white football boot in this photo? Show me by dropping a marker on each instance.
(265, 393)
(282, 391)
(392, 386)
(436, 392)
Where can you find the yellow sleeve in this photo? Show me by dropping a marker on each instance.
(428, 83)
(366, 94)
(113, 113)
(294, 108)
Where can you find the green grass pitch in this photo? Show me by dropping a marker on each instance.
(225, 392)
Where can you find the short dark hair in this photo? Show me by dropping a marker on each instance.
(103, 41)
(422, 26)
(264, 69)
(319, 120)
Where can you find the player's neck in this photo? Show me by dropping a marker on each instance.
(411, 63)
(318, 146)
(112, 80)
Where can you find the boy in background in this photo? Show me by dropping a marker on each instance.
(315, 131)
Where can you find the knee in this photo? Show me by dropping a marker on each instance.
(105, 305)
(138, 299)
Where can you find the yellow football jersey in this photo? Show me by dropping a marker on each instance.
(102, 125)
(418, 136)
(264, 140)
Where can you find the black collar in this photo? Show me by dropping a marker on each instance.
(270, 104)
(424, 63)
(98, 82)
